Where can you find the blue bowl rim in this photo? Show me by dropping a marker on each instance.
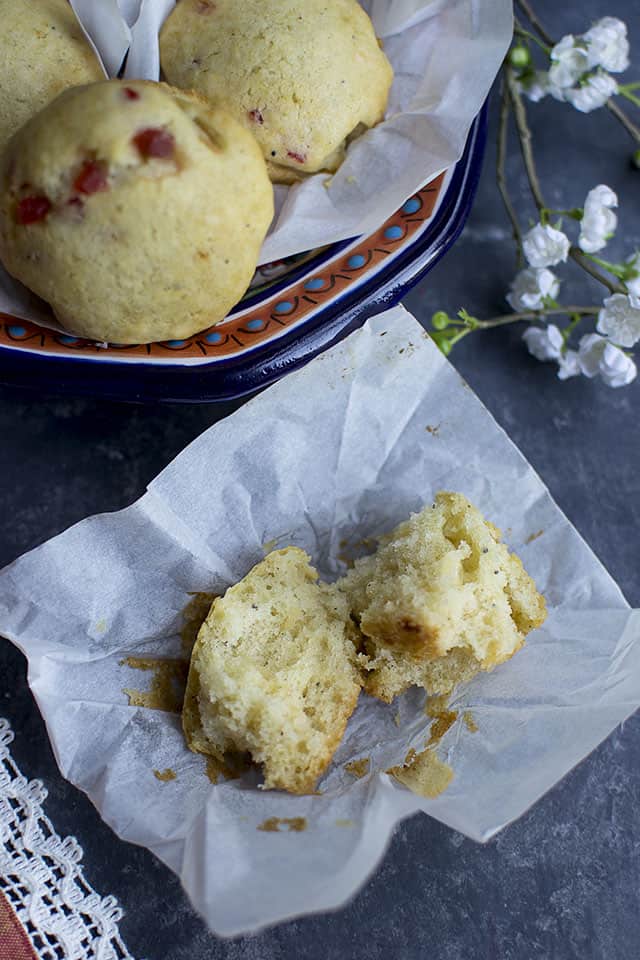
(229, 379)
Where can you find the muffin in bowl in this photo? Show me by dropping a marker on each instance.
(305, 76)
(136, 211)
(42, 52)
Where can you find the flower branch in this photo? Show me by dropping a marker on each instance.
(580, 74)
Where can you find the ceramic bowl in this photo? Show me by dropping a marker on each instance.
(294, 309)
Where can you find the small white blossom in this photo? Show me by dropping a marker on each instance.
(544, 246)
(535, 85)
(568, 365)
(599, 221)
(568, 63)
(619, 319)
(530, 287)
(590, 350)
(607, 45)
(598, 356)
(544, 343)
(633, 283)
(592, 94)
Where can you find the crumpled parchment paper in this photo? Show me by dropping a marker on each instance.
(335, 453)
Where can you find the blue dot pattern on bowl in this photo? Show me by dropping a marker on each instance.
(316, 283)
(356, 261)
(15, 331)
(412, 205)
(255, 324)
(393, 233)
(174, 344)
(213, 337)
(283, 307)
(68, 341)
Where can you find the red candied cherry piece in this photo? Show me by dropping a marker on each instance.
(91, 179)
(154, 142)
(298, 157)
(131, 94)
(256, 116)
(32, 209)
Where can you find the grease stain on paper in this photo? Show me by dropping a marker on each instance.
(358, 768)
(292, 824)
(423, 773)
(469, 722)
(168, 681)
(443, 718)
(533, 536)
(165, 776)
(194, 614)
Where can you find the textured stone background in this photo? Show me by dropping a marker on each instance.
(563, 882)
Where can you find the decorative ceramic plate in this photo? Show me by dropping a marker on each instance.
(294, 309)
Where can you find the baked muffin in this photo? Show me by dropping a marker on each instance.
(135, 210)
(42, 52)
(273, 673)
(303, 75)
(440, 599)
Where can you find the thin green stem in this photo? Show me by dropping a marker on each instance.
(501, 176)
(533, 20)
(524, 135)
(616, 269)
(507, 318)
(584, 260)
(575, 213)
(520, 31)
(621, 116)
(576, 318)
(629, 96)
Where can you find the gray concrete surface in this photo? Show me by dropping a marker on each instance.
(562, 883)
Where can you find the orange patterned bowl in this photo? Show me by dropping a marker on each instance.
(294, 309)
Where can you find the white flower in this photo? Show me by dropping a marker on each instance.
(619, 319)
(599, 221)
(568, 365)
(633, 283)
(544, 343)
(607, 45)
(597, 356)
(592, 94)
(544, 246)
(568, 63)
(534, 86)
(530, 287)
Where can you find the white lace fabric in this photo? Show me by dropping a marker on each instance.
(41, 876)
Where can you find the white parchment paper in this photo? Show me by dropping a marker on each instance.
(445, 55)
(336, 452)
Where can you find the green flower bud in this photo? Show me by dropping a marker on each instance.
(440, 320)
(519, 56)
(635, 159)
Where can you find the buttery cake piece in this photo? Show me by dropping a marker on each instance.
(440, 600)
(274, 673)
